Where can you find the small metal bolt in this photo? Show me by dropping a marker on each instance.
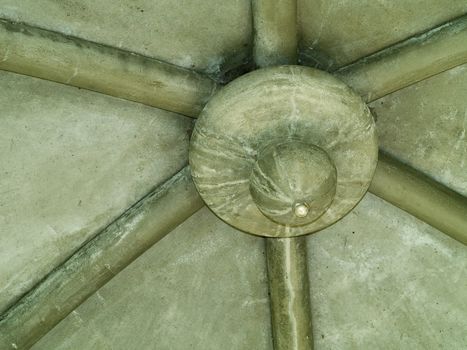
(301, 210)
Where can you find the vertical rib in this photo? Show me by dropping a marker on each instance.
(275, 25)
(53, 56)
(289, 293)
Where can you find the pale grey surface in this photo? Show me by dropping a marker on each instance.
(201, 287)
(381, 279)
(425, 126)
(71, 161)
(347, 30)
(199, 34)
(395, 283)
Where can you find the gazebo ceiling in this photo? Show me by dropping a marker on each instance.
(92, 181)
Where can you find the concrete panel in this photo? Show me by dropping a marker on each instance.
(425, 125)
(381, 279)
(202, 287)
(71, 162)
(347, 30)
(200, 34)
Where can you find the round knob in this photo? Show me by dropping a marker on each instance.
(293, 183)
(283, 151)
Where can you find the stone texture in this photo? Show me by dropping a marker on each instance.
(381, 279)
(348, 30)
(98, 261)
(201, 287)
(293, 183)
(53, 56)
(289, 293)
(72, 161)
(420, 196)
(275, 32)
(201, 34)
(272, 106)
(425, 125)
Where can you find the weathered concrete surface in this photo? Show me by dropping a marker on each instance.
(199, 34)
(348, 30)
(381, 279)
(93, 265)
(408, 62)
(425, 125)
(72, 161)
(202, 287)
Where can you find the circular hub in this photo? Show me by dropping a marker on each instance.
(283, 151)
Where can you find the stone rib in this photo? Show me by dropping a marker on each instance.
(69, 60)
(65, 288)
(408, 62)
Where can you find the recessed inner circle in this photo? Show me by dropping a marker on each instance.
(293, 183)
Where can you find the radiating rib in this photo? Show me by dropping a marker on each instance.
(98, 261)
(275, 27)
(73, 61)
(289, 293)
(421, 196)
(408, 62)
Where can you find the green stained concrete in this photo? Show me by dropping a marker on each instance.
(420, 196)
(381, 279)
(98, 261)
(348, 30)
(289, 293)
(71, 162)
(425, 126)
(200, 34)
(201, 287)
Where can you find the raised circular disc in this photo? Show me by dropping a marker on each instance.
(273, 106)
